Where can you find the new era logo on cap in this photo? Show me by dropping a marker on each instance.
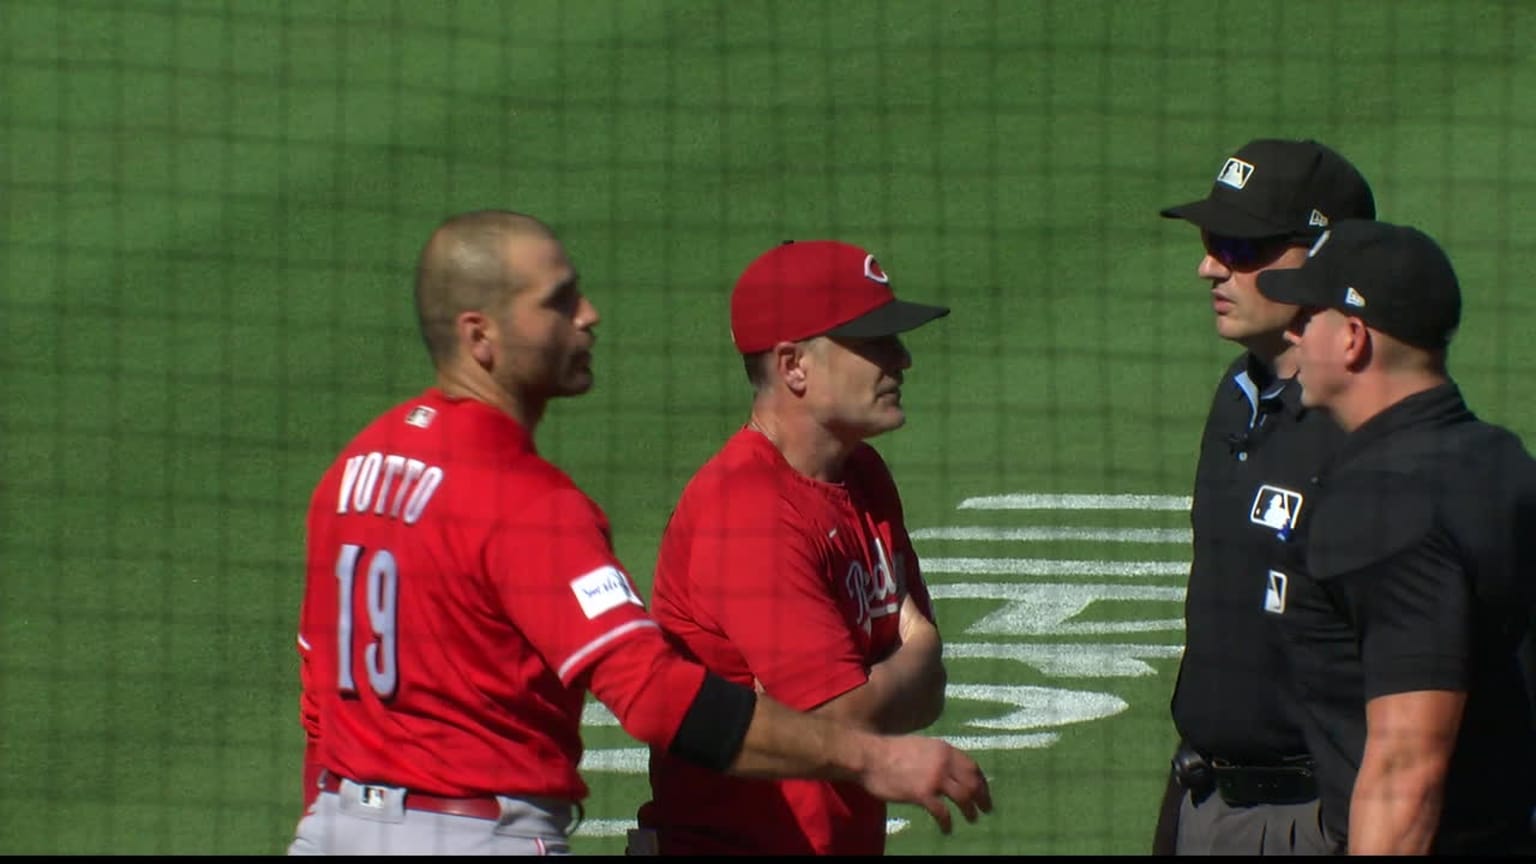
(1353, 298)
(1317, 219)
(1235, 173)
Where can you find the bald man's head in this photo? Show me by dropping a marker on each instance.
(1395, 355)
(465, 267)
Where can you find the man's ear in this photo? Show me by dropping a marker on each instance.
(1359, 345)
(789, 364)
(475, 332)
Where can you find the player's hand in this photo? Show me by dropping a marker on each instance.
(925, 771)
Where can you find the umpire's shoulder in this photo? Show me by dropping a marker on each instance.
(1365, 517)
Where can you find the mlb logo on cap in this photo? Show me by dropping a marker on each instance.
(1235, 173)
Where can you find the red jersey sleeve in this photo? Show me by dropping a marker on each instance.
(554, 572)
(759, 576)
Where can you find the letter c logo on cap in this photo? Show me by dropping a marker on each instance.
(873, 272)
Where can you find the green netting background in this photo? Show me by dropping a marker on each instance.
(209, 216)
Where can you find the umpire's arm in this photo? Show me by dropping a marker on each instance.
(1409, 739)
(1412, 611)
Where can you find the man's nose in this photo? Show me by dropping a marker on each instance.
(1212, 268)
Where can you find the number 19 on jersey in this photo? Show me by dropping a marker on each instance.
(381, 590)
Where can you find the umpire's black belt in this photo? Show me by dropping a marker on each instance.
(1290, 782)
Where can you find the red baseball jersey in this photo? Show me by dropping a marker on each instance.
(767, 576)
(458, 589)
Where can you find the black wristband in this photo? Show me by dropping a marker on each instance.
(716, 724)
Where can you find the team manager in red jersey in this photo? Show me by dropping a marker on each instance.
(786, 564)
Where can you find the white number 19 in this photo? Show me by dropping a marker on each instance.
(382, 584)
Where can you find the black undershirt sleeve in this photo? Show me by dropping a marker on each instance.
(715, 726)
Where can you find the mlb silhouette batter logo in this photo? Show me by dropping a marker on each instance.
(1277, 508)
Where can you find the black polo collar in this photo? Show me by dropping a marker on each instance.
(1265, 393)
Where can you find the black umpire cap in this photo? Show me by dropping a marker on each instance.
(1393, 277)
(1278, 188)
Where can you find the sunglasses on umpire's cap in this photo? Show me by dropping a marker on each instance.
(1394, 278)
(798, 290)
(1285, 190)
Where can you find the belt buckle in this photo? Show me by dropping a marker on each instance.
(1250, 785)
(372, 796)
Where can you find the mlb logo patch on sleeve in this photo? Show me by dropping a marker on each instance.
(603, 589)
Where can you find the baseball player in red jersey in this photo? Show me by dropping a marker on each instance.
(786, 564)
(462, 594)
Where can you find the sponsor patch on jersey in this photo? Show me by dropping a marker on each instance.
(420, 416)
(1274, 507)
(603, 589)
(1274, 595)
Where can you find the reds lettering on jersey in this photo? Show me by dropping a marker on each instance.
(457, 586)
(769, 577)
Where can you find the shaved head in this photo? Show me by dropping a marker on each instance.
(465, 267)
(1395, 355)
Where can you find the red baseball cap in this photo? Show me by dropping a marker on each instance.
(798, 290)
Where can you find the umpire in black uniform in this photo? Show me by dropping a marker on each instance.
(1408, 584)
(1242, 782)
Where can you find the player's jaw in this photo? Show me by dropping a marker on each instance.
(577, 377)
(870, 375)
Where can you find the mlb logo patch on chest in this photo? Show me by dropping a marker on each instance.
(1275, 507)
(1274, 594)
